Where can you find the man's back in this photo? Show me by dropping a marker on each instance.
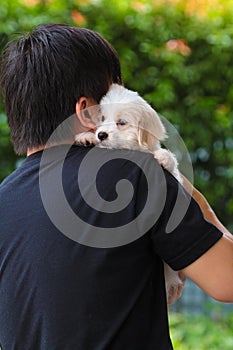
(58, 294)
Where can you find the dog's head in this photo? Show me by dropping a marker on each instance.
(128, 121)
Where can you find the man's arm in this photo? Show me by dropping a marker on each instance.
(213, 271)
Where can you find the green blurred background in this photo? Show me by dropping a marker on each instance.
(178, 54)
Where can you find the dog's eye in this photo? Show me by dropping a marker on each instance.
(102, 118)
(121, 122)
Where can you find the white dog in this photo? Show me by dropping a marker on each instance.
(126, 120)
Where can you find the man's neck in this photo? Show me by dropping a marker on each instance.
(34, 150)
(41, 148)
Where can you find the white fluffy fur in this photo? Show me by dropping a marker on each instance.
(126, 120)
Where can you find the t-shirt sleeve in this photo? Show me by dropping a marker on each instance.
(181, 234)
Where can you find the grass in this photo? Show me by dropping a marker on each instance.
(201, 332)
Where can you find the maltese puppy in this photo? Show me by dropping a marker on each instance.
(126, 120)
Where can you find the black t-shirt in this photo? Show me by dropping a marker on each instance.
(62, 288)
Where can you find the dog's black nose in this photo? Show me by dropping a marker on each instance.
(102, 135)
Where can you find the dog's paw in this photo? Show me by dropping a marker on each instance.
(85, 139)
(168, 160)
(175, 282)
(174, 293)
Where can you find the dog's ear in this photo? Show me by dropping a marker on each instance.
(151, 129)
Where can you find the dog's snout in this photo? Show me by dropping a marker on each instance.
(102, 135)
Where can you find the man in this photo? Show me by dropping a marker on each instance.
(70, 279)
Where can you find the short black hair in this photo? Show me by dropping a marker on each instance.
(43, 75)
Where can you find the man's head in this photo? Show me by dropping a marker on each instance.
(45, 73)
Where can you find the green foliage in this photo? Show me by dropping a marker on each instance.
(200, 332)
(180, 63)
(8, 158)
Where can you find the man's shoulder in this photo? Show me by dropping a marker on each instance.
(103, 155)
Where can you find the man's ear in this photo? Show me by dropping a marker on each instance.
(83, 114)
